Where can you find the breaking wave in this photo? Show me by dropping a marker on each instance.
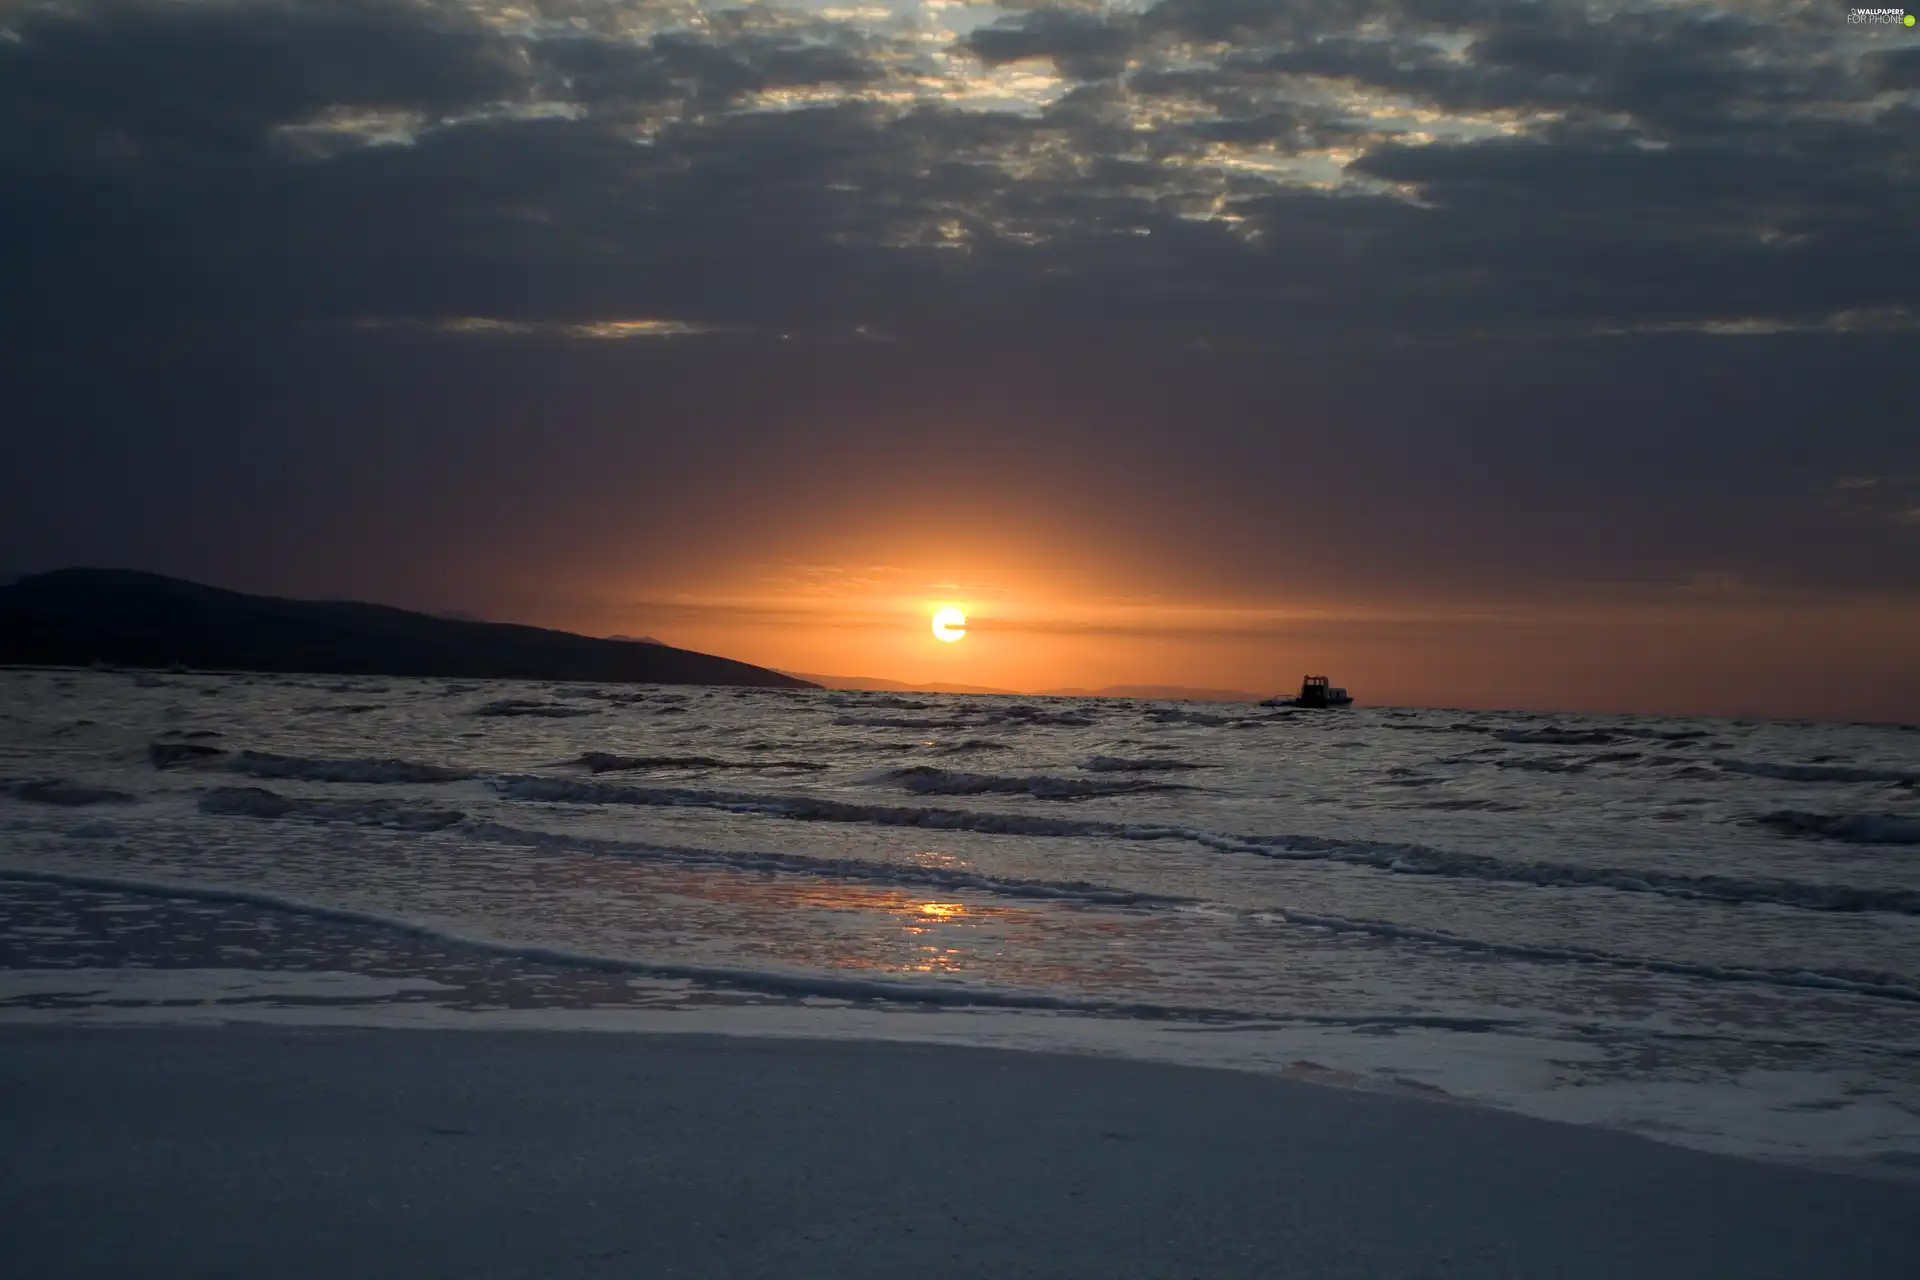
(66, 795)
(263, 764)
(901, 875)
(797, 985)
(1400, 859)
(258, 802)
(1877, 985)
(165, 755)
(1851, 828)
(1817, 772)
(1885, 985)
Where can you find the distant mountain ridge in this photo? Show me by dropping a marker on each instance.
(74, 617)
(873, 684)
(1145, 692)
(1159, 693)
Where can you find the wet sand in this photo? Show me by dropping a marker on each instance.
(253, 1151)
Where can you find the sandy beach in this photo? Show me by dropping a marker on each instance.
(251, 1151)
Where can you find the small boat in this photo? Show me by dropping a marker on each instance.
(1314, 692)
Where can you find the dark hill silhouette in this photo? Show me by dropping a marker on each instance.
(74, 617)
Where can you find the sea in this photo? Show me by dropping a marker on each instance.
(1705, 931)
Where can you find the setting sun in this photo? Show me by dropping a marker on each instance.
(949, 625)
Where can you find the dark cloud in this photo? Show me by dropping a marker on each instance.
(213, 77)
(600, 74)
(1082, 45)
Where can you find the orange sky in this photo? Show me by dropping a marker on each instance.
(1709, 646)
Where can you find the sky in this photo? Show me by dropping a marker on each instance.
(1518, 353)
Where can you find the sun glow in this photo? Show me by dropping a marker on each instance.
(949, 625)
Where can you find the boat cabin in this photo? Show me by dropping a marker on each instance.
(1315, 691)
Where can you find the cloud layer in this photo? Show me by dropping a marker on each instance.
(1233, 171)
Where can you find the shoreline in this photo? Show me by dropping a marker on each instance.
(314, 1151)
(344, 969)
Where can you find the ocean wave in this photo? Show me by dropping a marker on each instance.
(1400, 859)
(66, 795)
(263, 764)
(900, 875)
(926, 780)
(1546, 764)
(1885, 986)
(1851, 828)
(1411, 859)
(541, 787)
(972, 744)
(608, 762)
(258, 802)
(1020, 713)
(815, 984)
(1117, 764)
(912, 876)
(165, 755)
(793, 984)
(1456, 727)
(1553, 735)
(877, 700)
(525, 707)
(1167, 715)
(1817, 772)
(895, 722)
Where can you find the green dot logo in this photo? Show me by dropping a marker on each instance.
(1908, 19)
